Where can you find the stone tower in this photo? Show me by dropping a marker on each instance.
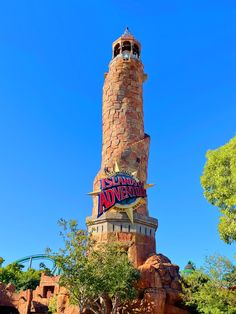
(120, 210)
(119, 194)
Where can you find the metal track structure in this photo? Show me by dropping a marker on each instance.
(54, 269)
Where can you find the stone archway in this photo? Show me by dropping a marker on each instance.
(8, 310)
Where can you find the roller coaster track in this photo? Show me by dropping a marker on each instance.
(31, 258)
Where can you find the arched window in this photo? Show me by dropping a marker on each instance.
(129, 228)
(116, 50)
(126, 46)
(121, 227)
(136, 50)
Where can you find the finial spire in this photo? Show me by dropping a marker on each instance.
(127, 32)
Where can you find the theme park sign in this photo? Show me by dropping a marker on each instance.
(121, 191)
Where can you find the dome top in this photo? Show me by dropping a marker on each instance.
(127, 33)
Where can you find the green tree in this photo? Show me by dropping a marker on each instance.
(1, 261)
(28, 279)
(219, 184)
(22, 280)
(99, 278)
(208, 290)
(52, 305)
(10, 274)
(115, 275)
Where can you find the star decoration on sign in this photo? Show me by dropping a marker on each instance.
(128, 208)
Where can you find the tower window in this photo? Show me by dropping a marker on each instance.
(116, 50)
(129, 228)
(121, 227)
(113, 227)
(150, 231)
(140, 229)
(126, 46)
(102, 228)
(136, 50)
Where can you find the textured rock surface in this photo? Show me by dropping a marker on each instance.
(37, 301)
(10, 298)
(124, 140)
(160, 282)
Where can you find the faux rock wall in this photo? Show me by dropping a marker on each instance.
(124, 140)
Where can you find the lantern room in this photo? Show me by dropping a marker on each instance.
(126, 47)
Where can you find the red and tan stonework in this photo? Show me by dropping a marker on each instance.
(124, 140)
(125, 143)
(36, 301)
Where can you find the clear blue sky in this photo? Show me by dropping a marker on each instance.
(53, 55)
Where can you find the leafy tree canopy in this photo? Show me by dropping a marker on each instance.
(1, 261)
(98, 277)
(210, 289)
(219, 184)
(22, 280)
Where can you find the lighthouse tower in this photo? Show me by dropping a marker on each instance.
(119, 193)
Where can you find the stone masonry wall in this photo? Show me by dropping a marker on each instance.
(124, 140)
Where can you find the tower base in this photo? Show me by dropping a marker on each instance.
(137, 237)
(159, 285)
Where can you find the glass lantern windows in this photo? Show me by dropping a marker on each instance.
(126, 49)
